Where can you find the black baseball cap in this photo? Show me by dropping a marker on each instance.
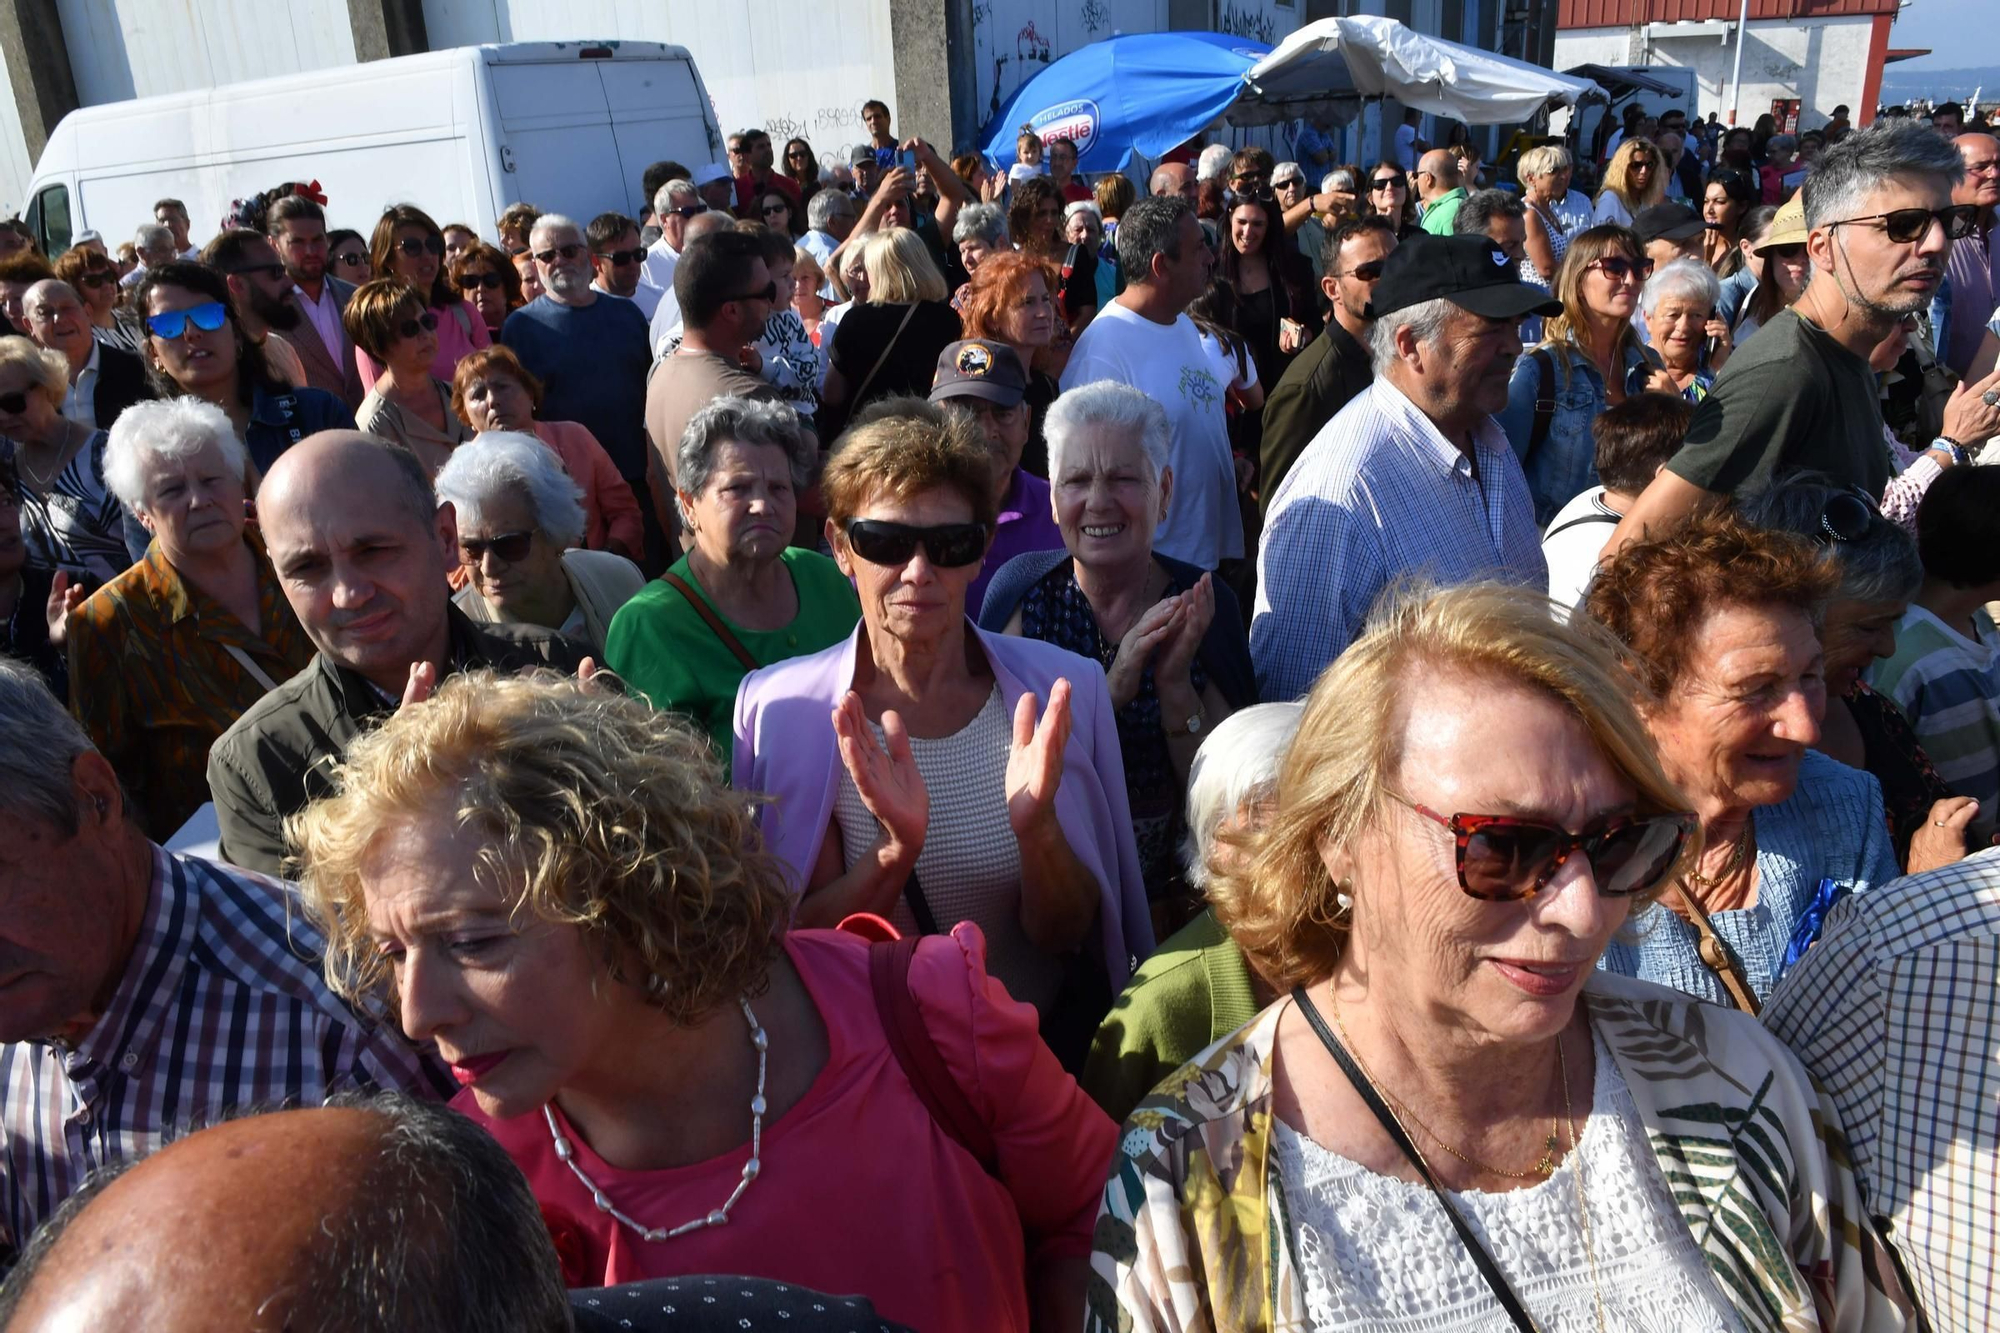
(977, 368)
(1668, 222)
(1470, 271)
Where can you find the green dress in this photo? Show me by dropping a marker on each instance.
(660, 645)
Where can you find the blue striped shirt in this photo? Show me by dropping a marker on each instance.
(1380, 495)
(221, 1009)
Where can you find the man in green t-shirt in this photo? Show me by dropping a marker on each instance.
(1800, 394)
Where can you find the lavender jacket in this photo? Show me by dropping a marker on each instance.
(785, 748)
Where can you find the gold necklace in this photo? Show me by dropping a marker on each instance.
(1701, 882)
(1540, 1171)
(62, 448)
(1582, 1204)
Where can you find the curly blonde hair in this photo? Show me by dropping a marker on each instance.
(600, 813)
(1278, 900)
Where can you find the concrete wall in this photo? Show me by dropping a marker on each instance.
(1822, 62)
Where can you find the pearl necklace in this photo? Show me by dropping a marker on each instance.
(566, 1153)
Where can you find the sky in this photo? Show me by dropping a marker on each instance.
(1944, 26)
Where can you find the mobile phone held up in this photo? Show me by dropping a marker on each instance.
(886, 158)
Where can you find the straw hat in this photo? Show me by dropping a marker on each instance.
(1789, 226)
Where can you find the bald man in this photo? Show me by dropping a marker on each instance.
(103, 380)
(1438, 191)
(1174, 178)
(362, 549)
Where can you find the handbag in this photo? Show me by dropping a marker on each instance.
(712, 620)
(1481, 1260)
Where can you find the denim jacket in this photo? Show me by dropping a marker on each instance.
(280, 420)
(1564, 465)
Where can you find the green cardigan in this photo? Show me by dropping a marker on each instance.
(1190, 994)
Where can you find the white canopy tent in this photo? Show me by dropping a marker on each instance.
(1337, 65)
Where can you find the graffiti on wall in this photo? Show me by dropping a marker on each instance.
(1248, 21)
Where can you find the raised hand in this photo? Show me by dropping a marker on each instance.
(1035, 761)
(64, 597)
(1177, 652)
(887, 780)
(1153, 627)
(1968, 417)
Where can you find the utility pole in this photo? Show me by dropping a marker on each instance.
(1736, 75)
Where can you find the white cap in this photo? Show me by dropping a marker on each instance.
(710, 172)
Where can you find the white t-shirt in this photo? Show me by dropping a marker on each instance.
(1573, 544)
(1406, 147)
(1168, 363)
(1611, 211)
(1226, 370)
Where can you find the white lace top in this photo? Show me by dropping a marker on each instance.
(1378, 1254)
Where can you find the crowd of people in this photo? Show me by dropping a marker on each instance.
(1126, 742)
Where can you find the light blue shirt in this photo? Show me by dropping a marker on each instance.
(1380, 494)
(1564, 465)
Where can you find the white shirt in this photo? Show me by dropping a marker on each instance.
(1573, 545)
(1169, 365)
(80, 403)
(663, 326)
(646, 298)
(1406, 147)
(660, 262)
(324, 314)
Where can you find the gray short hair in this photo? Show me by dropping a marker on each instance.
(1425, 320)
(1477, 211)
(978, 222)
(1688, 278)
(152, 235)
(819, 208)
(177, 428)
(1866, 160)
(549, 222)
(1880, 565)
(1236, 765)
(1784, 143)
(1091, 409)
(1341, 178)
(746, 421)
(39, 745)
(678, 188)
(513, 460)
(1151, 226)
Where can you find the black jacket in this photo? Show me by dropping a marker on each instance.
(121, 382)
(1322, 380)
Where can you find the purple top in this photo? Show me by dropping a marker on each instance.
(785, 749)
(1026, 523)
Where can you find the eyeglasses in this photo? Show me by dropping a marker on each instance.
(1369, 272)
(99, 277)
(509, 547)
(739, 152)
(566, 252)
(620, 258)
(472, 282)
(770, 209)
(13, 404)
(409, 328)
(1986, 168)
(1905, 225)
(413, 246)
(693, 210)
(1501, 859)
(769, 293)
(948, 545)
(1618, 269)
(208, 317)
(352, 260)
(1381, 183)
(1845, 517)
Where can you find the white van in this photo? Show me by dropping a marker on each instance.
(568, 126)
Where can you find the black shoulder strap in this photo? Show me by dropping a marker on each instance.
(1480, 1258)
(920, 906)
(1592, 517)
(1545, 398)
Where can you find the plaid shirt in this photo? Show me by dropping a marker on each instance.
(221, 1009)
(1896, 1013)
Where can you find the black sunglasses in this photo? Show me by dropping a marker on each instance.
(567, 251)
(769, 209)
(1618, 269)
(769, 293)
(13, 404)
(99, 277)
(352, 260)
(409, 327)
(620, 258)
(510, 547)
(1369, 272)
(1381, 183)
(1845, 517)
(1503, 859)
(694, 210)
(947, 545)
(413, 247)
(470, 282)
(1905, 225)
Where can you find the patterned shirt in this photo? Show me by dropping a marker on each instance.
(159, 684)
(221, 1008)
(76, 525)
(1948, 685)
(1380, 494)
(1894, 1014)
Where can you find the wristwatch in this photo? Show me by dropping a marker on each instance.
(1945, 444)
(1191, 727)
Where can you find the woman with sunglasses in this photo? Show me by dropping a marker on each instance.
(196, 347)
(1454, 1119)
(1389, 197)
(72, 522)
(1544, 173)
(1028, 835)
(1589, 358)
(773, 208)
(408, 246)
(1633, 180)
(1723, 620)
(487, 279)
(408, 404)
(347, 256)
(95, 279)
(800, 166)
(1781, 251)
(520, 533)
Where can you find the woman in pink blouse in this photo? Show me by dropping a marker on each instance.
(544, 879)
(408, 245)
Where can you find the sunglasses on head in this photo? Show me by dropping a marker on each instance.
(1502, 859)
(1905, 225)
(413, 246)
(510, 547)
(948, 545)
(208, 317)
(1618, 269)
(620, 258)
(472, 282)
(409, 328)
(769, 293)
(566, 252)
(1845, 517)
(13, 404)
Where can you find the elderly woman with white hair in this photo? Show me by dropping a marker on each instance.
(171, 652)
(1083, 224)
(1198, 988)
(519, 516)
(978, 231)
(1689, 333)
(71, 521)
(1170, 636)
